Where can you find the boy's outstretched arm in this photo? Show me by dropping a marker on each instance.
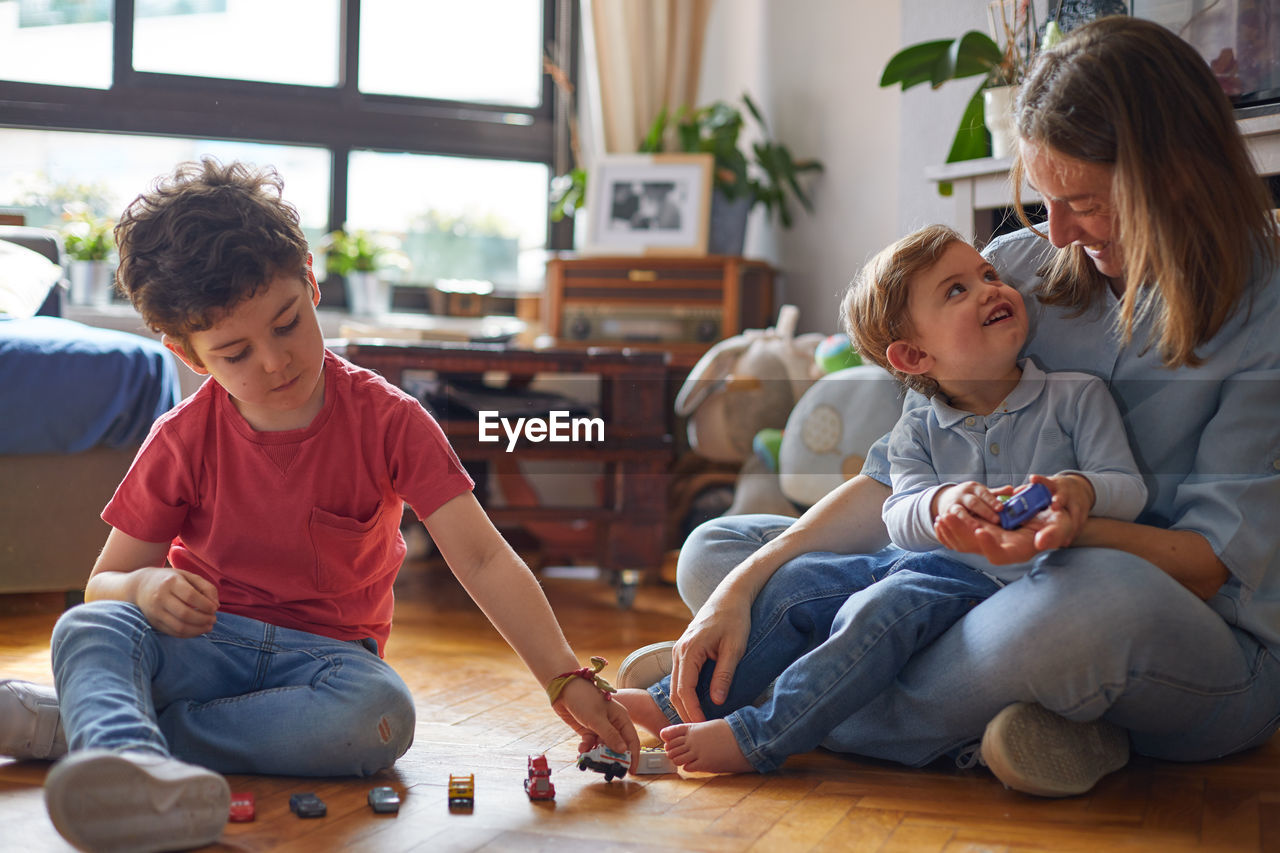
(175, 602)
(510, 596)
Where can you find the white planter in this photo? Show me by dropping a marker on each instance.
(997, 106)
(367, 294)
(91, 282)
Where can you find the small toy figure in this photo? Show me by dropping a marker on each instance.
(1023, 504)
(538, 785)
(654, 762)
(462, 792)
(243, 807)
(307, 805)
(602, 759)
(384, 800)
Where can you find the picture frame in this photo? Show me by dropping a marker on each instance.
(649, 204)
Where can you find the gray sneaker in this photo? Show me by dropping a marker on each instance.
(135, 801)
(30, 725)
(1031, 749)
(646, 666)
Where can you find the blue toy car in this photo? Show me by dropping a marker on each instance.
(1023, 504)
(307, 805)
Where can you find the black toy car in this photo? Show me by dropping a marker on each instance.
(307, 805)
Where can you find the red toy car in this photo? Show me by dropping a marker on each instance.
(538, 786)
(243, 808)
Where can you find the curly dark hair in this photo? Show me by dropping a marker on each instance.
(204, 239)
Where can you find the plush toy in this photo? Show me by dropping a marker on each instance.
(757, 399)
(745, 384)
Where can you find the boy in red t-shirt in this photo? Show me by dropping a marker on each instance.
(236, 618)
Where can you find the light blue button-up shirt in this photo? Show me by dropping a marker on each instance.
(1049, 424)
(1206, 438)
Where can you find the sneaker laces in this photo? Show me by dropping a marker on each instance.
(970, 756)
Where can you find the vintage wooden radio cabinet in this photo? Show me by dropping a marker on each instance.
(679, 305)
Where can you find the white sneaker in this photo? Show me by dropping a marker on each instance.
(139, 802)
(30, 725)
(646, 666)
(1031, 749)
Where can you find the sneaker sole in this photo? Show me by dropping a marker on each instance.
(1035, 751)
(101, 801)
(646, 666)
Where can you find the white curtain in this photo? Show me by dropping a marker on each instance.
(642, 55)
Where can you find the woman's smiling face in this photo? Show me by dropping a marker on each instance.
(1077, 196)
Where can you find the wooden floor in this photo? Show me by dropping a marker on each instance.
(479, 712)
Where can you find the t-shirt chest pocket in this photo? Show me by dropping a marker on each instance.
(348, 551)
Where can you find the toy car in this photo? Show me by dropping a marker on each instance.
(307, 805)
(243, 808)
(1023, 504)
(602, 759)
(462, 791)
(538, 785)
(654, 761)
(384, 800)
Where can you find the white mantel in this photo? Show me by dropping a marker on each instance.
(983, 185)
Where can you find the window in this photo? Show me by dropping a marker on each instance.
(443, 128)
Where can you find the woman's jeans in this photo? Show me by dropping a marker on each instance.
(247, 697)
(1087, 633)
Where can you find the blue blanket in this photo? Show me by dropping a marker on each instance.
(67, 387)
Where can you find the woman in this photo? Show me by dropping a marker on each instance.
(1157, 272)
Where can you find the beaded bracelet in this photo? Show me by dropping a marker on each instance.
(557, 684)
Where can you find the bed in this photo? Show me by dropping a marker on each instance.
(75, 403)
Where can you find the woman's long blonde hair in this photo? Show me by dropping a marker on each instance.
(1192, 217)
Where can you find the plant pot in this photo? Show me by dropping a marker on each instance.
(91, 282)
(367, 294)
(997, 111)
(727, 230)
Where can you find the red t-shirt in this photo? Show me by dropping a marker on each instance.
(300, 528)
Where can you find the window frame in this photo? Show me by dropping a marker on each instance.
(339, 118)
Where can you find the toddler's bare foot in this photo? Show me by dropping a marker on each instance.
(644, 711)
(708, 747)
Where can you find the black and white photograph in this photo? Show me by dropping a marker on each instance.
(649, 204)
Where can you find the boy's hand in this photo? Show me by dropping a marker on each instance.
(597, 719)
(1055, 527)
(177, 603)
(971, 499)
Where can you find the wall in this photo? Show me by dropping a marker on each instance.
(814, 66)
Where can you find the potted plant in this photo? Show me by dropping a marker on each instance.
(769, 176)
(977, 54)
(89, 243)
(360, 257)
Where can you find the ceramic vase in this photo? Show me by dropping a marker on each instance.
(91, 282)
(997, 106)
(367, 294)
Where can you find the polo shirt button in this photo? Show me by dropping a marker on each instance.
(969, 422)
(995, 449)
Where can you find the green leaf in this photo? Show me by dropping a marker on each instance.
(971, 140)
(971, 54)
(652, 141)
(913, 65)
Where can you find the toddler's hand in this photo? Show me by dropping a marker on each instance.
(597, 720)
(177, 603)
(970, 498)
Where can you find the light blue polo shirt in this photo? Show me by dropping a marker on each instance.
(1049, 424)
(1206, 438)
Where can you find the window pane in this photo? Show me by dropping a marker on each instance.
(483, 51)
(276, 41)
(44, 171)
(456, 218)
(61, 42)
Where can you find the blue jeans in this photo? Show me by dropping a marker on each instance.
(830, 656)
(1087, 633)
(247, 697)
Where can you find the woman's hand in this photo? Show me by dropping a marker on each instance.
(1055, 527)
(597, 719)
(718, 632)
(177, 603)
